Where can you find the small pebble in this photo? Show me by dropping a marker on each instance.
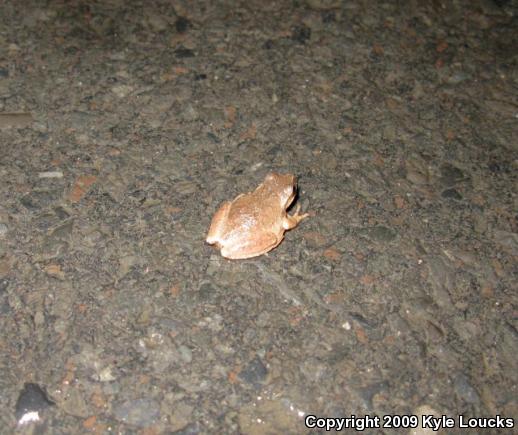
(464, 389)
(139, 412)
(452, 194)
(183, 53)
(301, 34)
(185, 353)
(30, 403)
(182, 24)
(254, 373)
(381, 233)
(15, 120)
(51, 174)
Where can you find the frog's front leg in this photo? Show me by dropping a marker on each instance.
(292, 221)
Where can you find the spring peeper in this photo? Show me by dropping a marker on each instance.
(254, 222)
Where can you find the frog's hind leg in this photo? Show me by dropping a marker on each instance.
(251, 248)
(216, 225)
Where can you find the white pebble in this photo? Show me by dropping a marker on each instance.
(51, 174)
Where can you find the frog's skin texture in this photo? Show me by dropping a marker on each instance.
(254, 222)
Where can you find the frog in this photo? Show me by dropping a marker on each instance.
(254, 223)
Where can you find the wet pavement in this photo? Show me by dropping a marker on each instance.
(123, 127)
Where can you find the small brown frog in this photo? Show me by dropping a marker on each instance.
(254, 222)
